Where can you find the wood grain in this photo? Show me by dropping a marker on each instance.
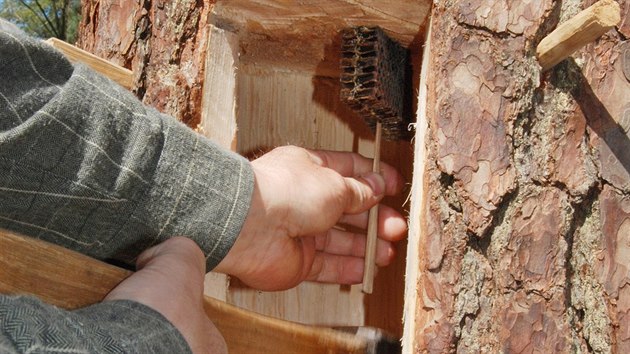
(417, 227)
(584, 28)
(70, 280)
(218, 112)
(372, 229)
(304, 35)
(278, 107)
(122, 76)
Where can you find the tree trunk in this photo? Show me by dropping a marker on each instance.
(524, 233)
(160, 41)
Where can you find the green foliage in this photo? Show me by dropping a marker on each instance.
(44, 18)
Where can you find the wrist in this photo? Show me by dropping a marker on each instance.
(235, 262)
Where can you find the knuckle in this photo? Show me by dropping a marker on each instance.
(358, 194)
(288, 150)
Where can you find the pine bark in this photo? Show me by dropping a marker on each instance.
(163, 42)
(527, 221)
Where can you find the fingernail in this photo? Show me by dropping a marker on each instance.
(376, 182)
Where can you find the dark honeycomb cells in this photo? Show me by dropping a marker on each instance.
(373, 75)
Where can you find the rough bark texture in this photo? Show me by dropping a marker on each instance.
(527, 222)
(163, 42)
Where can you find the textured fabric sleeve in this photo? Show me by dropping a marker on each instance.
(84, 164)
(25, 327)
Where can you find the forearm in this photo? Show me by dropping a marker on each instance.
(84, 164)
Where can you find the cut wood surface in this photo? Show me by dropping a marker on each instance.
(278, 107)
(304, 35)
(414, 265)
(122, 76)
(401, 18)
(218, 114)
(584, 28)
(305, 110)
(71, 280)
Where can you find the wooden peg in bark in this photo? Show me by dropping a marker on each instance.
(584, 28)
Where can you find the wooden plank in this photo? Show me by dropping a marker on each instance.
(70, 280)
(584, 28)
(304, 35)
(278, 107)
(122, 76)
(416, 229)
(218, 115)
(401, 18)
(52, 273)
(305, 110)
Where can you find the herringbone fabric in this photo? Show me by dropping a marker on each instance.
(110, 327)
(84, 164)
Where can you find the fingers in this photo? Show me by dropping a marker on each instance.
(175, 260)
(340, 254)
(350, 164)
(343, 243)
(170, 281)
(392, 226)
(363, 193)
(335, 269)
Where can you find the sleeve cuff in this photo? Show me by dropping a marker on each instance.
(200, 191)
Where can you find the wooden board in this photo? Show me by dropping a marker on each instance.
(300, 35)
(287, 93)
(71, 280)
(218, 114)
(278, 107)
(413, 287)
(287, 107)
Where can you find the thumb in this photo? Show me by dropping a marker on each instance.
(170, 280)
(176, 263)
(364, 192)
(180, 250)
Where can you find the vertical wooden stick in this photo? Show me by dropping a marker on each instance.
(370, 247)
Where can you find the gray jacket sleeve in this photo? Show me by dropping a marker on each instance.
(85, 165)
(29, 326)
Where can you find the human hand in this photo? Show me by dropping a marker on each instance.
(299, 196)
(170, 280)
